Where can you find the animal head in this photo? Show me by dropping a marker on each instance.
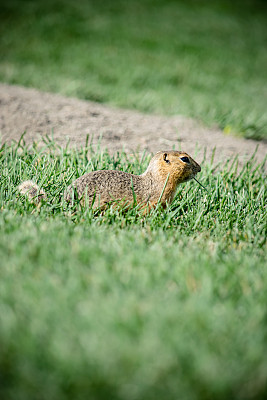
(177, 164)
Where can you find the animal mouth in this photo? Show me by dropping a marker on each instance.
(192, 176)
(189, 178)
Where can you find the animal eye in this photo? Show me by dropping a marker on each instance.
(185, 159)
(165, 158)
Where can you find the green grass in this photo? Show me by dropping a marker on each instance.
(204, 59)
(120, 306)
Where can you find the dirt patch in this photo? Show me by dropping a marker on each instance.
(72, 120)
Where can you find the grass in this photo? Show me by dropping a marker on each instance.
(204, 59)
(118, 306)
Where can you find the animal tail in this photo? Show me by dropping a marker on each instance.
(32, 191)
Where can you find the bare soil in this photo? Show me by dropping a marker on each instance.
(69, 119)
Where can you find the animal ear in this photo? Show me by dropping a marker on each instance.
(165, 158)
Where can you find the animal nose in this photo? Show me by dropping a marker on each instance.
(199, 168)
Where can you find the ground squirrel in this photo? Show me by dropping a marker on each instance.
(166, 170)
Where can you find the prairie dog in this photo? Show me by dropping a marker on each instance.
(166, 170)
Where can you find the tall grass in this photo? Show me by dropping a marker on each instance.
(121, 306)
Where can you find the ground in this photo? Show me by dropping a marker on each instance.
(38, 113)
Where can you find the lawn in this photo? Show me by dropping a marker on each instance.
(200, 58)
(120, 306)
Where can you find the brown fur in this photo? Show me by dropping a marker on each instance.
(165, 172)
(103, 187)
(32, 190)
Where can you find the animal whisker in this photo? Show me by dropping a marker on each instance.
(200, 184)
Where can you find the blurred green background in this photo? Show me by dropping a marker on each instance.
(200, 58)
